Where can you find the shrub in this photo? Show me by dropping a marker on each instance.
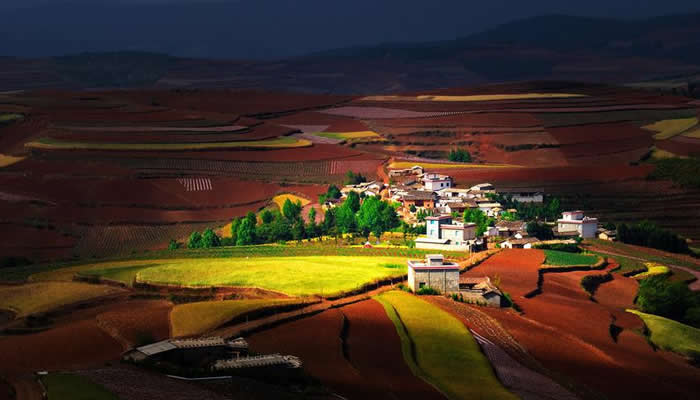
(565, 247)
(459, 155)
(173, 245)
(590, 283)
(673, 300)
(648, 234)
(427, 291)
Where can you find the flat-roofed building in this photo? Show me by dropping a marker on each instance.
(444, 234)
(433, 272)
(576, 222)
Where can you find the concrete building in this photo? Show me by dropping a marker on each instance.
(484, 187)
(520, 243)
(435, 273)
(507, 229)
(418, 198)
(444, 234)
(436, 182)
(524, 195)
(576, 222)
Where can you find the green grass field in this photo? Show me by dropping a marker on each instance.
(671, 335)
(280, 142)
(446, 354)
(669, 128)
(43, 296)
(561, 258)
(198, 318)
(74, 387)
(296, 276)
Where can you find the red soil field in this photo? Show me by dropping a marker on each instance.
(316, 340)
(553, 174)
(680, 145)
(466, 120)
(34, 243)
(572, 334)
(517, 269)
(599, 134)
(79, 344)
(374, 349)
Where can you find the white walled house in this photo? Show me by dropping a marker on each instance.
(444, 234)
(436, 182)
(525, 195)
(435, 273)
(577, 222)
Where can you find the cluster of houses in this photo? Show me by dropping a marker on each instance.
(436, 195)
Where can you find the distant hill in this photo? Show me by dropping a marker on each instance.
(552, 47)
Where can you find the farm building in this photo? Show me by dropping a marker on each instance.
(480, 291)
(198, 352)
(414, 170)
(522, 243)
(491, 209)
(574, 222)
(444, 234)
(435, 273)
(483, 187)
(419, 199)
(510, 228)
(436, 182)
(606, 234)
(524, 195)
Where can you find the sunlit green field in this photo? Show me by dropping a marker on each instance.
(74, 387)
(562, 258)
(43, 296)
(671, 335)
(440, 349)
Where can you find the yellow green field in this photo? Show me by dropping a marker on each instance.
(43, 296)
(6, 160)
(669, 128)
(671, 335)
(692, 133)
(652, 269)
(660, 154)
(281, 198)
(201, 317)
(280, 142)
(409, 164)
(296, 276)
(4, 118)
(483, 97)
(348, 135)
(439, 348)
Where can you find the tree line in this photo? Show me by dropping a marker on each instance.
(648, 234)
(370, 215)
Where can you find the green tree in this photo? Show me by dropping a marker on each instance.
(234, 229)
(252, 218)
(412, 208)
(266, 216)
(459, 155)
(210, 239)
(353, 201)
(539, 230)
(291, 211)
(328, 221)
(479, 218)
(376, 216)
(312, 229)
(173, 245)
(246, 233)
(195, 241)
(352, 178)
(345, 219)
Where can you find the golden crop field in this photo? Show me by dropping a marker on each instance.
(280, 142)
(44, 296)
(199, 318)
(6, 160)
(348, 135)
(692, 133)
(281, 198)
(482, 97)
(669, 128)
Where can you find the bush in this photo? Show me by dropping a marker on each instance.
(8, 261)
(648, 234)
(459, 155)
(673, 300)
(565, 247)
(540, 231)
(590, 283)
(427, 291)
(173, 245)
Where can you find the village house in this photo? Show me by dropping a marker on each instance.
(414, 170)
(418, 198)
(483, 187)
(576, 223)
(507, 229)
(521, 243)
(372, 188)
(444, 234)
(524, 195)
(491, 209)
(434, 272)
(436, 182)
(480, 291)
(459, 207)
(607, 234)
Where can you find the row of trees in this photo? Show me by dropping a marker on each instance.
(549, 210)
(459, 155)
(672, 300)
(371, 215)
(649, 234)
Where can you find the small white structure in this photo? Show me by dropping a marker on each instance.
(483, 187)
(522, 243)
(444, 234)
(435, 182)
(525, 195)
(435, 273)
(577, 222)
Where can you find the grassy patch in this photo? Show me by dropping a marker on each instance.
(671, 335)
(280, 142)
(74, 387)
(10, 117)
(347, 135)
(561, 258)
(44, 296)
(281, 198)
(198, 318)
(669, 128)
(6, 160)
(438, 348)
(618, 247)
(682, 171)
(482, 97)
(653, 269)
